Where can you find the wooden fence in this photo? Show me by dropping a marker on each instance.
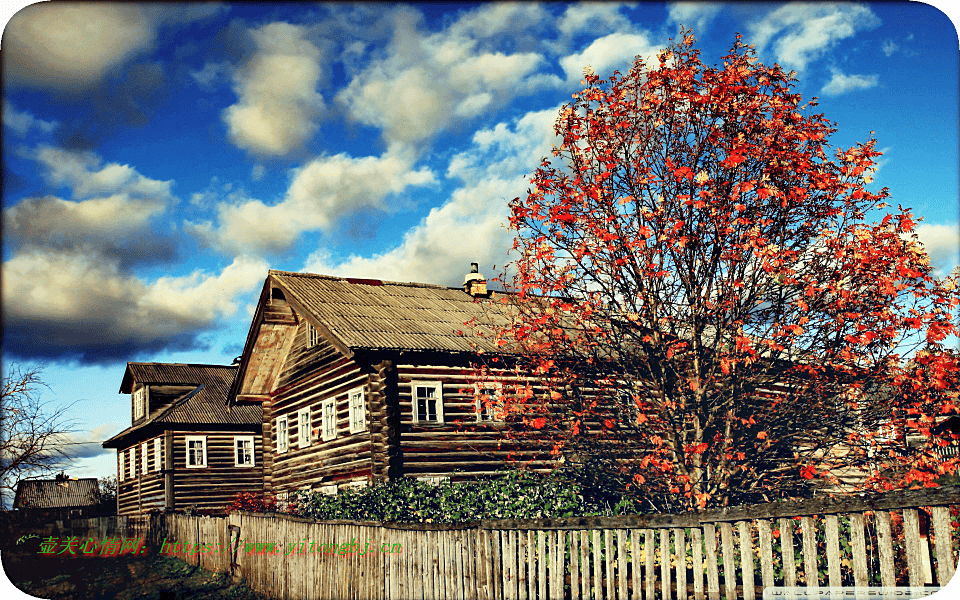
(904, 538)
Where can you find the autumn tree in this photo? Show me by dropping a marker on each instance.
(715, 306)
(32, 433)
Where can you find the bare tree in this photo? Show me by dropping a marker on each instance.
(32, 433)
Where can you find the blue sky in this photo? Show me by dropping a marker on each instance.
(158, 159)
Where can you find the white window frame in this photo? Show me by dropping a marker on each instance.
(303, 428)
(282, 434)
(436, 385)
(132, 462)
(434, 479)
(139, 396)
(237, 439)
(313, 336)
(203, 447)
(328, 420)
(358, 410)
(156, 454)
(121, 467)
(143, 457)
(329, 489)
(497, 405)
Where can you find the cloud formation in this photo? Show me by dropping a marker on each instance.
(21, 122)
(840, 83)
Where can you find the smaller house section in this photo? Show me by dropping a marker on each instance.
(185, 449)
(61, 498)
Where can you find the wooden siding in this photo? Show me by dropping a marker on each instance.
(162, 397)
(207, 489)
(310, 375)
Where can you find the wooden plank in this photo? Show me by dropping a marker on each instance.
(786, 553)
(858, 548)
(597, 565)
(696, 543)
(541, 564)
(680, 546)
(911, 536)
(665, 564)
(809, 552)
(608, 559)
(885, 542)
(746, 559)
(766, 554)
(940, 515)
(584, 565)
(522, 561)
(635, 568)
(621, 547)
(558, 549)
(832, 535)
(648, 550)
(713, 574)
(729, 560)
(575, 575)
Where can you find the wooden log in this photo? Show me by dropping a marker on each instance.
(729, 560)
(766, 554)
(680, 549)
(940, 515)
(746, 559)
(648, 550)
(635, 568)
(622, 582)
(832, 534)
(786, 552)
(885, 543)
(713, 574)
(809, 552)
(696, 544)
(911, 536)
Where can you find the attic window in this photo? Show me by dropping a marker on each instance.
(138, 400)
(277, 294)
(313, 336)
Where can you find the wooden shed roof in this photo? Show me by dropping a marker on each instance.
(387, 315)
(51, 493)
(205, 404)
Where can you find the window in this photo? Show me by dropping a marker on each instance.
(243, 446)
(434, 479)
(329, 489)
(303, 427)
(489, 401)
(156, 455)
(427, 402)
(313, 335)
(196, 451)
(143, 457)
(358, 411)
(138, 400)
(329, 424)
(281, 434)
(121, 467)
(132, 462)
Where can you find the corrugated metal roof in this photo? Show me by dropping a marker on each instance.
(204, 405)
(49, 493)
(396, 316)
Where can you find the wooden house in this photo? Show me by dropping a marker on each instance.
(61, 498)
(363, 380)
(184, 448)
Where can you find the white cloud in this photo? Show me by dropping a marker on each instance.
(75, 305)
(426, 83)
(320, 193)
(889, 47)
(942, 243)
(840, 83)
(74, 45)
(697, 15)
(801, 32)
(86, 175)
(589, 17)
(277, 90)
(605, 54)
(22, 122)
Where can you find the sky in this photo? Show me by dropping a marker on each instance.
(159, 159)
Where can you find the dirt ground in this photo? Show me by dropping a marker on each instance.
(147, 576)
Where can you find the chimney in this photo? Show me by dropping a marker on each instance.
(474, 283)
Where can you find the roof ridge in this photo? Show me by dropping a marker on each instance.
(339, 278)
(170, 364)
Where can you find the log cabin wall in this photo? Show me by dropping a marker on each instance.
(310, 376)
(213, 487)
(140, 490)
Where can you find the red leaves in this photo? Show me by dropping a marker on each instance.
(808, 472)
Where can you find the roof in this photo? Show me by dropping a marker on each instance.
(205, 404)
(386, 315)
(50, 493)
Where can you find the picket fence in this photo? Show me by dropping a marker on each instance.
(904, 538)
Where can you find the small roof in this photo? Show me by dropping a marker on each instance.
(386, 315)
(153, 373)
(52, 493)
(205, 404)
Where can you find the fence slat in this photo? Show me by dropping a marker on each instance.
(942, 531)
(809, 552)
(559, 549)
(858, 547)
(542, 565)
(622, 564)
(648, 550)
(786, 552)
(696, 543)
(729, 562)
(885, 541)
(766, 553)
(746, 559)
(636, 587)
(911, 535)
(597, 565)
(832, 534)
(665, 564)
(713, 574)
(584, 565)
(575, 576)
(608, 559)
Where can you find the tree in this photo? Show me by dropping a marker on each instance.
(31, 432)
(707, 308)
